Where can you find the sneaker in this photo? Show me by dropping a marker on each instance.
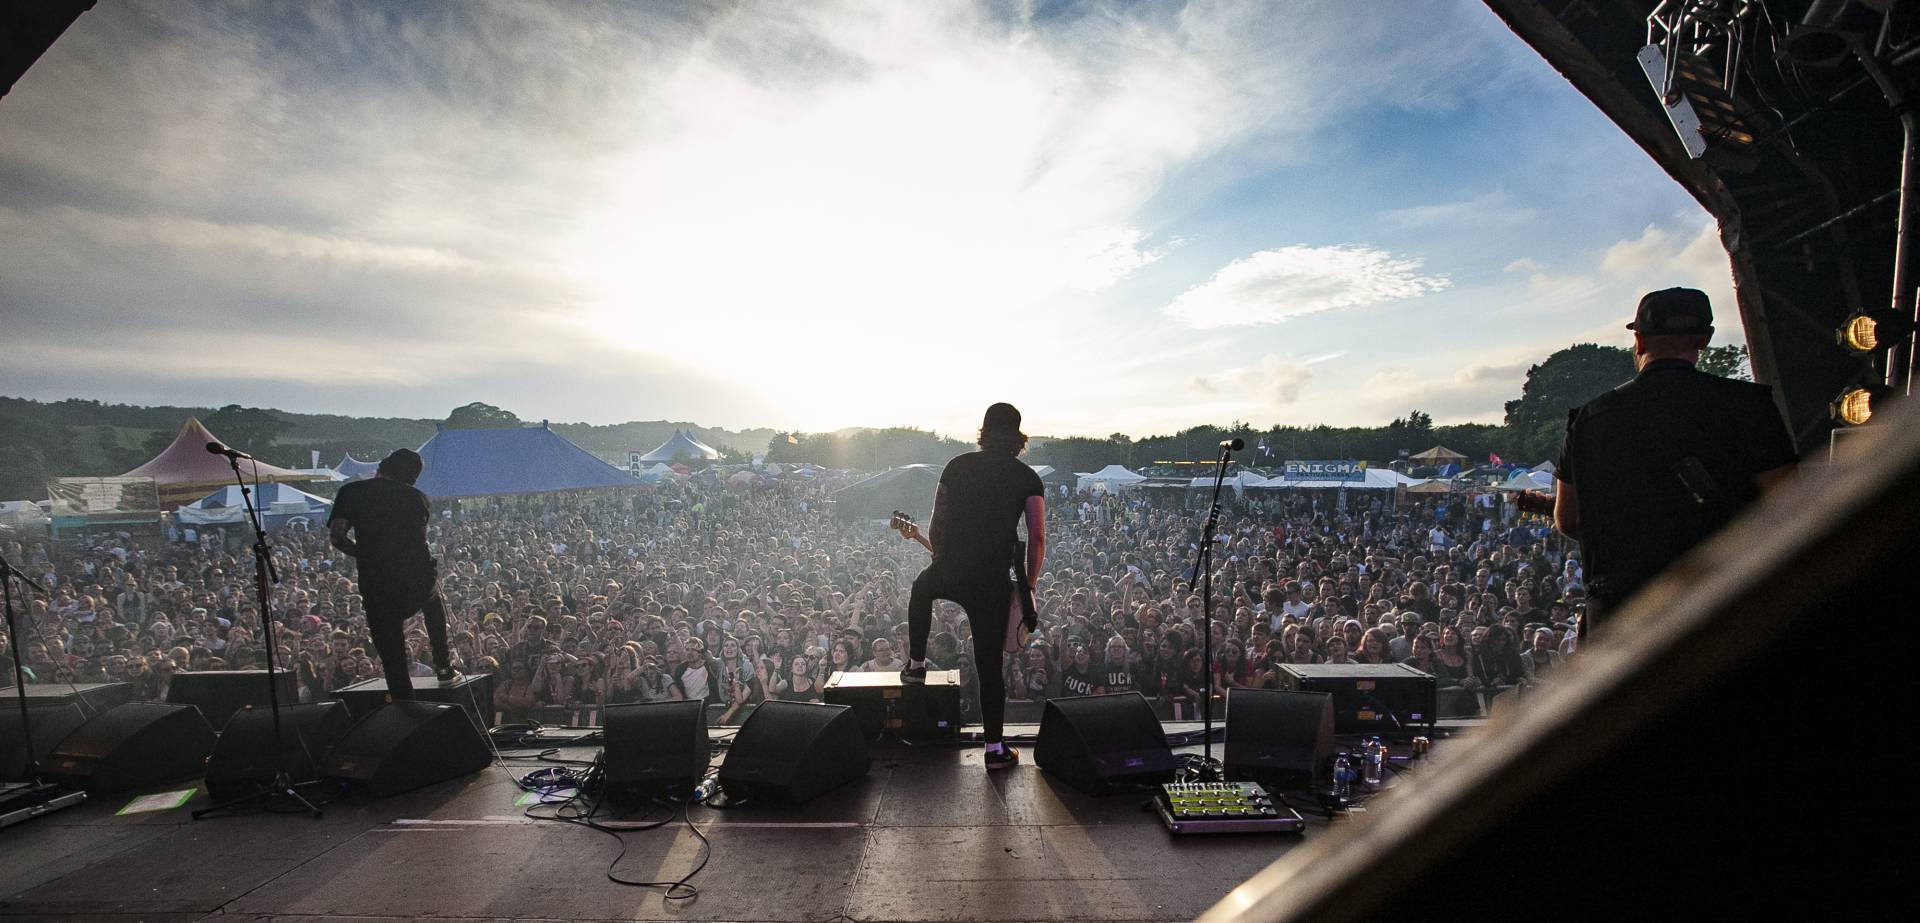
(449, 676)
(913, 676)
(1007, 758)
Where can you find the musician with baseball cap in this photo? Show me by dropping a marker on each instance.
(1653, 467)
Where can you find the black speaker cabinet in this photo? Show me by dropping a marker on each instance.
(402, 746)
(1103, 743)
(94, 697)
(220, 693)
(792, 752)
(50, 724)
(1384, 698)
(658, 749)
(243, 760)
(132, 745)
(1279, 738)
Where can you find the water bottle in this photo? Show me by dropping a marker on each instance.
(1372, 765)
(1342, 776)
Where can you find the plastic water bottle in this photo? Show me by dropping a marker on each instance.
(1373, 764)
(1342, 776)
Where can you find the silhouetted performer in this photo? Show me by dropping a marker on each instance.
(973, 534)
(1654, 466)
(382, 523)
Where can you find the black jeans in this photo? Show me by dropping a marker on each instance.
(387, 614)
(985, 597)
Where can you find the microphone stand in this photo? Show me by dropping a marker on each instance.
(1203, 571)
(264, 573)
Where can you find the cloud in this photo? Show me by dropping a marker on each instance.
(1272, 286)
(1525, 265)
(1271, 381)
(1473, 393)
(527, 195)
(1479, 214)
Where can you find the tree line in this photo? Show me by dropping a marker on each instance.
(42, 440)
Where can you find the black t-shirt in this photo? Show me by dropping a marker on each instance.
(1119, 678)
(1626, 451)
(986, 495)
(389, 520)
(1076, 681)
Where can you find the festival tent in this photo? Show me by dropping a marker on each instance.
(1051, 476)
(1529, 480)
(1546, 466)
(516, 460)
(1111, 478)
(909, 489)
(184, 471)
(1435, 486)
(681, 447)
(1239, 481)
(1377, 479)
(1439, 455)
(23, 514)
(354, 469)
(279, 505)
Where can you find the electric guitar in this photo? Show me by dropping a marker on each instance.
(1022, 618)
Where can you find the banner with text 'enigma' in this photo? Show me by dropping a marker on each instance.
(1344, 469)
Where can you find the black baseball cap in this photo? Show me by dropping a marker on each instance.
(1673, 312)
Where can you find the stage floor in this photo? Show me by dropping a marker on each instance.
(927, 835)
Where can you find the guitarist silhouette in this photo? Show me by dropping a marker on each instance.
(976, 550)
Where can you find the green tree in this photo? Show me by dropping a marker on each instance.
(249, 429)
(481, 416)
(1537, 419)
(1730, 361)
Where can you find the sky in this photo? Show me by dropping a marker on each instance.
(1121, 217)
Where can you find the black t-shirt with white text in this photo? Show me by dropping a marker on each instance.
(1075, 681)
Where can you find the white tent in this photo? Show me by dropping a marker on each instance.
(1377, 479)
(22, 514)
(1112, 477)
(1529, 480)
(1239, 481)
(279, 504)
(1042, 470)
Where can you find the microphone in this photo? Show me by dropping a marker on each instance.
(217, 448)
(1233, 445)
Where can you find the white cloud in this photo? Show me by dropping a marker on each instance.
(1269, 382)
(1476, 215)
(1272, 286)
(1523, 264)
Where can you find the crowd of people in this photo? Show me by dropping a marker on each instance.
(699, 590)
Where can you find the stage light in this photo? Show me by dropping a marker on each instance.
(1857, 405)
(1870, 331)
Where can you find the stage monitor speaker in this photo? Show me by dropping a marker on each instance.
(405, 745)
(1279, 738)
(219, 694)
(94, 697)
(659, 749)
(132, 745)
(50, 723)
(1103, 743)
(243, 761)
(792, 752)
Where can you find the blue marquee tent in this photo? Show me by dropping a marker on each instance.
(520, 460)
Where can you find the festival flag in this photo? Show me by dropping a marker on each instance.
(1495, 459)
(1264, 451)
(791, 440)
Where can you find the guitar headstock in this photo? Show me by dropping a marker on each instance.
(1530, 501)
(903, 523)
